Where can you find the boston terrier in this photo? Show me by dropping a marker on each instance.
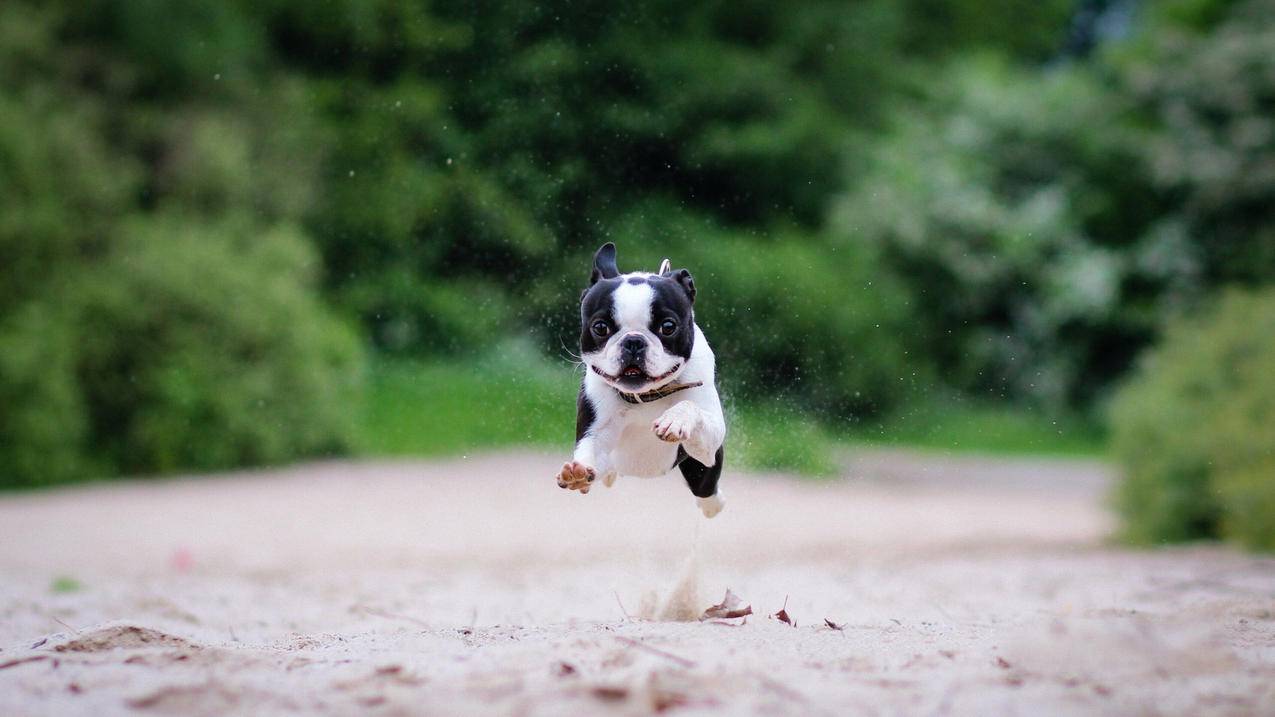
(648, 402)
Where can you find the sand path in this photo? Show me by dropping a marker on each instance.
(476, 586)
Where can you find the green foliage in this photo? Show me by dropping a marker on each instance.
(158, 311)
(1193, 429)
(1248, 504)
(1213, 96)
(183, 347)
(997, 207)
(234, 364)
(820, 327)
(788, 316)
(44, 423)
(878, 199)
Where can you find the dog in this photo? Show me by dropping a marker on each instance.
(648, 402)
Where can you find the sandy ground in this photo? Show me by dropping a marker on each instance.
(959, 586)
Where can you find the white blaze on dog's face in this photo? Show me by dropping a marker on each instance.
(637, 330)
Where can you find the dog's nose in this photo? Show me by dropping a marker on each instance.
(633, 345)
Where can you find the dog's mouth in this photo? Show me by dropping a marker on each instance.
(633, 377)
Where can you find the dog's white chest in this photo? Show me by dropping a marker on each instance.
(639, 452)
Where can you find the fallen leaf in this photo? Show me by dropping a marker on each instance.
(182, 560)
(782, 615)
(728, 608)
(610, 694)
(1002, 663)
(833, 625)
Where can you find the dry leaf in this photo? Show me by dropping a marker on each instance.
(610, 693)
(782, 615)
(833, 625)
(728, 608)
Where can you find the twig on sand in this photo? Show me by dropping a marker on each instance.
(627, 616)
(378, 612)
(656, 651)
(780, 688)
(54, 618)
(22, 661)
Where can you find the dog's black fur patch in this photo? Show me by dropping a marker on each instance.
(701, 479)
(604, 264)
(585, 415)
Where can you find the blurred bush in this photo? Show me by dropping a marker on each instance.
(1048, 223)
(1209, 89)
(1011, 204)
(1193, 429)
(184, 346)
(790, 318)
(157, 311)
(877, 197)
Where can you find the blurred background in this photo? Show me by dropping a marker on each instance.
(246, 233)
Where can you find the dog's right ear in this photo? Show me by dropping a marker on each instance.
(604, 264)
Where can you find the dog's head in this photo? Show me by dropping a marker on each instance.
(637, 330)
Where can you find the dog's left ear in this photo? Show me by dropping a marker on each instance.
(604, 264)
(681, 276)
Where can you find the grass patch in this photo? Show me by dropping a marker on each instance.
(973, 428)
(516, 398)
(773, 438)
(449, 408)
(65, 584)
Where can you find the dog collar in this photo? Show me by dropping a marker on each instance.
(657, 394)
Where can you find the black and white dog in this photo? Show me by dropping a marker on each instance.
(648, 401)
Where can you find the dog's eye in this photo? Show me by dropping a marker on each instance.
(668, 327)
(601, 328)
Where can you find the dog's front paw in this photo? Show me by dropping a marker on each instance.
(677, 423)
(576, 476)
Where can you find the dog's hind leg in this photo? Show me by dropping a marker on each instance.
(702, 480)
